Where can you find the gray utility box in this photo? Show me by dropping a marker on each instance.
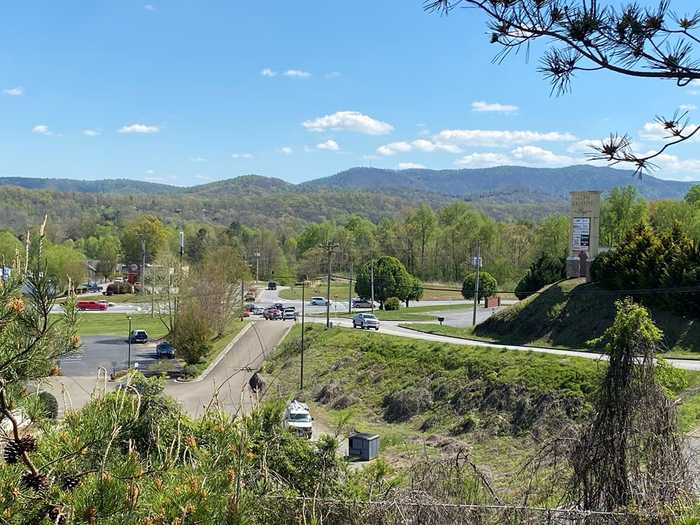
(363, 446)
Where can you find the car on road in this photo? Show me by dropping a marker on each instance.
(92, 305)
(289, 314)
(297, 418)
(139, 336)
(258, 310)
(279, 306)
(272, 313)
(272, 285)
(319, 301)
(363, 303)
(165, 349)
(365, 321)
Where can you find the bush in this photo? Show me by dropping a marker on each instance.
(487, 285)
(545, 270)
(392, 303)
(49, 404)
(406, 403)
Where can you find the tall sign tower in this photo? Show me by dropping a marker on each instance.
(584, 233)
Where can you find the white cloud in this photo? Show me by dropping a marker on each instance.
(296, 73)
(395, 147)
(150, 172)
(286, 150)
(349, 121)
(539, 156)
(41, 129)
(520, 156)
(91, 132)
(329, 145)
(583, 146)
(486, 107)
(410, 166)
(483, 160)
(426, 146)
(653, 131)
(267, 72)
(429, 146)
(138, 129)
(14, 92)
(198, 159)
(242, 155)
(149, 7)
(688, 107)
(499, 138)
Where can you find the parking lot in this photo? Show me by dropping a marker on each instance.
(108, 352)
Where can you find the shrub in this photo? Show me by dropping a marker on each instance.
(487, 285)
(406, 403)
(392, 303)
(546, 269)
(49, 404)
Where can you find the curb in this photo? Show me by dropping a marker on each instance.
(220, 357)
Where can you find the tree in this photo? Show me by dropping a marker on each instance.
(65, 264)
(693, 195)
(543, 271)
(631, 454)
(108, 254)
(192, 332)
(390, 280)
(652, 43)
(488, 286)
(150, 230)
(623, 209)
(552, 236)
(424, 220)
(9, 247)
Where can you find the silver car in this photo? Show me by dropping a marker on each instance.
(364, 320)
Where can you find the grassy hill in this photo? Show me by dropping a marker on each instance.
(571, 313)
(423, 397)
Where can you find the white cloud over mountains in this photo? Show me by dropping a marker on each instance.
(349, 121)
(329, 145)
(14, 92)
(499, 138)
(520, 156)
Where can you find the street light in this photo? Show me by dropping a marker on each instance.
(128, 361)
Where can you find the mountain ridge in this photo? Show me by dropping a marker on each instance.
(536, 184)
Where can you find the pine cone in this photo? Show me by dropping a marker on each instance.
(12, 452)
(27, 443)
(37, 482)
(56, 516)
(69, 482)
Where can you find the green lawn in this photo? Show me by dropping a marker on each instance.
(339, 292)
(117, 324)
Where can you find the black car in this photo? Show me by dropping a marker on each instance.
(165, 349)
(139, 336)
(272, 285)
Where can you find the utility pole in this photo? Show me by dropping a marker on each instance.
(301, 374)
(128, 359)
(329, 247)
(153, 291)
(350, 291)
(242, 297)
(143, 266)
(257, 267)
(371, 280)
(477, 263)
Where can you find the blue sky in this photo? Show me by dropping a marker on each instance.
(187, 92)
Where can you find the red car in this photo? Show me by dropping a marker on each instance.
(92, 305)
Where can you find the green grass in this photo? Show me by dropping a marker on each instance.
(117, 324)
(571, 313)
(339, 292)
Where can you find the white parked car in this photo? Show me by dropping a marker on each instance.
(364, 320)
(319, 301)
(297, 418)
